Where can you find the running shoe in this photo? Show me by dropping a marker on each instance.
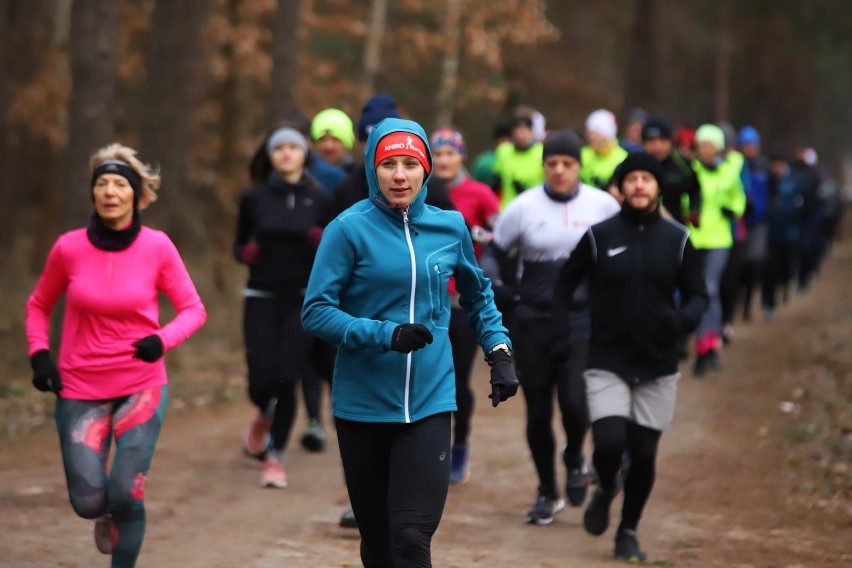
(713, 361)
(257, 437)
(544, 509)
(701, 366)
(105, 534)
(272, 474)
(313, 439)
(596, 517)
(347, 519)
(627, 547)
(727, 334)
(459, 467)
(577, 488)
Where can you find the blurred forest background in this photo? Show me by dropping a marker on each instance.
(194, 84)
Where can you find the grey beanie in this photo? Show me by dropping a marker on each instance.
(286, 135)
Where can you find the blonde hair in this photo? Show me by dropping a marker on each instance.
(149, 175)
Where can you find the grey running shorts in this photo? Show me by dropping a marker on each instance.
(649, 403)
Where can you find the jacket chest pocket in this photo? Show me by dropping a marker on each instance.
(439, 280)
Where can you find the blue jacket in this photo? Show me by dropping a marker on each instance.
(378, 267)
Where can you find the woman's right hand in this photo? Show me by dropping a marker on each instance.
(408, 337)
(45, 374)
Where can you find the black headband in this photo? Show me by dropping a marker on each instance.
(119, 168)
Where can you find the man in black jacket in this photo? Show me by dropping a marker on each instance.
(678, 178)
(630, 268)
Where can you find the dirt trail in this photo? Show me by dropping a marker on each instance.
(723, 495)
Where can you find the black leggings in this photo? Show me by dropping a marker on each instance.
(729, 288)
(398, 476)
(322, 358)
(86, 428)
(463, 341)
(613, 436)
(278, 354)
(539, 373)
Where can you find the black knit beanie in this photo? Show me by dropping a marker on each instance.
(562, 143)
(639, 161)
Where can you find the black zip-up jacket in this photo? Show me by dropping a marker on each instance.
(635, 263)
(679, 179)
(284, 220)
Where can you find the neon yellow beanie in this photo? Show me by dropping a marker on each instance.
(335, 122)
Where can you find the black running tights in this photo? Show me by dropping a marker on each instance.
(463, 340)
(398, 476)
(278, 353)
(613, 436)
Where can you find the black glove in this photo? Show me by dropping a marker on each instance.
(504, 382)
(729, 213)
(45, 374)
(149, 349)
(408, 337)
(518, 187)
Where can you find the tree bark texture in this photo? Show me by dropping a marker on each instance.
(94, 32)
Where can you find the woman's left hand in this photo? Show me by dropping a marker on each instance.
(149, 348)
(504, 382)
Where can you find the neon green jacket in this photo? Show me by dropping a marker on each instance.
(596, 170)
(517, 167)
(721, 189)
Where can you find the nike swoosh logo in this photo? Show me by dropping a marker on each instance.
(615, 251)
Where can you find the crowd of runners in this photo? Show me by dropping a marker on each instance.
(585, 268)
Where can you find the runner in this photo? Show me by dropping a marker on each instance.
(722, 201)
(334, 135)
(757, 228)
(111, 379)
(633, 265)
(543, 225)
(785, 218)
(379, 292)
(634, 121)
(518, 163)
(279, 225)
(680, 185)
(483, 164)
(479, 207)
(602, 153)
(356, 188)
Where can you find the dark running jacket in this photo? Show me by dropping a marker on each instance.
(635, 264)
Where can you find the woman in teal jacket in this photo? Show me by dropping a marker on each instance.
(378, 291)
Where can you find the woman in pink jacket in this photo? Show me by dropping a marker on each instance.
(111, 377)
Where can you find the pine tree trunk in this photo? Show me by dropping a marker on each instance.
(373, 47)
(450, 65)
(94, 34)
(170, 94)
(285, 59)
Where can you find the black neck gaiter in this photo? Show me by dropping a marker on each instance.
(107, 238)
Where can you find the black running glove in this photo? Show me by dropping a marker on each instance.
(408, 337)
(149, 349)
(504, 382)
(45, 374)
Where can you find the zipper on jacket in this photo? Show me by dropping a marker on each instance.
(410, 309)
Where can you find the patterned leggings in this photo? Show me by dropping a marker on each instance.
(86, 429)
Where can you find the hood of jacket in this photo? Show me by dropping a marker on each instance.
(378, 132)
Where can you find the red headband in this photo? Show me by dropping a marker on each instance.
(401, 144)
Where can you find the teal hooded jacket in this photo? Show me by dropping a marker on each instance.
(378, 267)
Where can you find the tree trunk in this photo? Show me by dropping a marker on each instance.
(722, 101)
(450, 65)
(285, 60)
(94, 34)
(373, 47)
(641, 77)
(171, 92)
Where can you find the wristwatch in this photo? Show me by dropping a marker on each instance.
(502, 347)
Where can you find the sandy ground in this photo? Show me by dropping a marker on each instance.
(724, 493)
